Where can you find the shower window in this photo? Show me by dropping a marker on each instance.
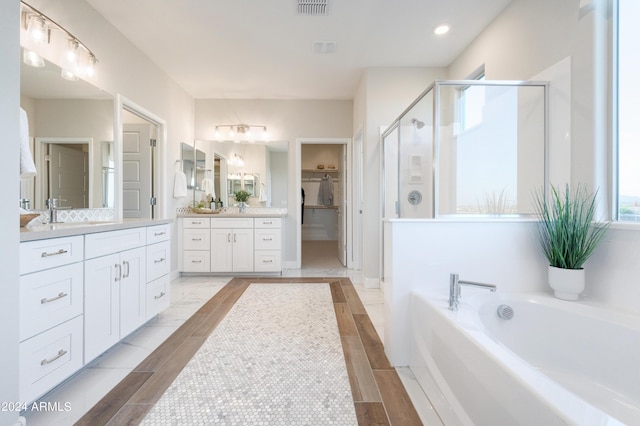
(628, 132)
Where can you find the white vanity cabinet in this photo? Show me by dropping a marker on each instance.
(51, 308)
(115, 287)
(81, 294)
(158, 279)
(196, 245)
(268, 245)
(232, 245)
(235, 244)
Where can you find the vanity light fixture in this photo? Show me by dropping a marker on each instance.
(243, 132)
(45, 37)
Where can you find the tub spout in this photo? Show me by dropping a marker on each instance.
(454, 289)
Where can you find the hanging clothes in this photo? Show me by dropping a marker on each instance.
(325, 192)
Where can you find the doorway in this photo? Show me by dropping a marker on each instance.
(66, 170)
(140, 148)
(323, 234)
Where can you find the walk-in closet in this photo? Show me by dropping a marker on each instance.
(322, 188)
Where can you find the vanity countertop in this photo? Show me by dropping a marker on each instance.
(249, 212)
(68, 229)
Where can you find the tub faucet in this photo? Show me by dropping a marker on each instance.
(454, 289)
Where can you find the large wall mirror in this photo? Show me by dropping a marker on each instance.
(71, 127)
(258, 168)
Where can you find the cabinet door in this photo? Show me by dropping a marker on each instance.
(242, 250)
(132, 290)
(101, 304)
(221, 250)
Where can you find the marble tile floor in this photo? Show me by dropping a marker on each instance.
(188, 294)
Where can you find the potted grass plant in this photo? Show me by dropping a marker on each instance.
(568, 236)
(241, 197)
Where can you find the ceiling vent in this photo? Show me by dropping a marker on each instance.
(312, 7)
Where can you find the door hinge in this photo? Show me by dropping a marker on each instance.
(152, 143)
(152, 201)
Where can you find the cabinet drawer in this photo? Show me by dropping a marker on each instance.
(49, 358)
(196, 261)
(267, 239)
(268, 222)
(158, 296)
(194, 222)
(158, 233)
(50, 253)
(232, 222)
(48, 298)
(157, 260)
(102, 243)
(267, 261)
(196, 239)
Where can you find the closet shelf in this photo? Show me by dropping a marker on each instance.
(319, 170)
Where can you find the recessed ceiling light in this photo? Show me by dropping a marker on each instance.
(441, 29)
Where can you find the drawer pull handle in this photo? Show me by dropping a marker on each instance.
(59, 296)
(61, 251)
(193, 222)
(196, 261)
(196, 239)
(162, 293)
(60, 354)
(118, 276)
(266, 223)
(267, 239)
(162, 259)
(157, 234)
(267, 261)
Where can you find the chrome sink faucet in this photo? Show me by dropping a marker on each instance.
(52, 205)
(454, 289)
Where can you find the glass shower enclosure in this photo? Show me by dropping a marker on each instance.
(467, 148)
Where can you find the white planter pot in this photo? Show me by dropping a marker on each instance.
(567, 284)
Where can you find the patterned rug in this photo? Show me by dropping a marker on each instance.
(275, 359)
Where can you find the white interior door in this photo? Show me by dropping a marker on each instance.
(68, 175)
(136, 171)
(342, 208)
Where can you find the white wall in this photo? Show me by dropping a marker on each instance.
(9, 229)
(287, 120)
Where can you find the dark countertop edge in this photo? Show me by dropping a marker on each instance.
(38, 233)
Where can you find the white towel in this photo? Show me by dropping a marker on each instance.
(263, 194)
(179, 182)
(27, 167)
(207, 187)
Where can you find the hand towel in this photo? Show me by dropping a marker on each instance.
(27, 166)
(263, 194)
(207, 187)
(179, 183)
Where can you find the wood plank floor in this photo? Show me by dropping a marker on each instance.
(378, 394)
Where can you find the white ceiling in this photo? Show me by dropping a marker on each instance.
(261, 49)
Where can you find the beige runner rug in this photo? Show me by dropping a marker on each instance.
(275, 359)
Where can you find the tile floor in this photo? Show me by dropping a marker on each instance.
(188, 294)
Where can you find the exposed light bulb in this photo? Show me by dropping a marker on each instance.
(90, 69)
(232, 134)
(37, 29)
(68, 75)
(265, 134)
(72, 51)
(32, 59)
(217, 133)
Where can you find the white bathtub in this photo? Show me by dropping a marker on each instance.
(554, 362)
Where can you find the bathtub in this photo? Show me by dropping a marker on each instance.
(553, 363)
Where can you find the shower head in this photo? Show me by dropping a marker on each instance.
(419, 124)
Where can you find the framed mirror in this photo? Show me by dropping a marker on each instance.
(70, 122)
